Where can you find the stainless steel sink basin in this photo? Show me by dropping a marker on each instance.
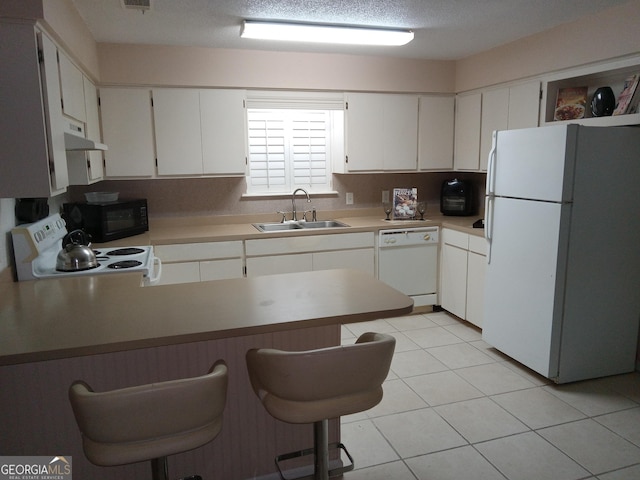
(323, 224)
(278, 226)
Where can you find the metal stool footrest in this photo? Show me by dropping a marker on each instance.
(311, 451)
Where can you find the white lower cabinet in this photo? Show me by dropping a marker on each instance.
(462, 270)
(200, 262)
(308, 253)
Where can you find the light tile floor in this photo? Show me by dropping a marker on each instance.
(455, 409)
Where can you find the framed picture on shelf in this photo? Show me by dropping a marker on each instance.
(405, 202)
(570, 103)
(625, 103)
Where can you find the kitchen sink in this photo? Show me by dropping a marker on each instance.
(323, 224)
(276, 227)
(279, 226)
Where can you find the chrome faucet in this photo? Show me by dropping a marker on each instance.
(293, 202)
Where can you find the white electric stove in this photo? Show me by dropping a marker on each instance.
(36, 246)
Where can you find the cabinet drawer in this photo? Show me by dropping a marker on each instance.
(455, 238)
(199, 251)
(477, 244)
(313, 243)
(186, 272)
(221, 269)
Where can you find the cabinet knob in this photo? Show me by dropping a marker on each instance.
(427, 236)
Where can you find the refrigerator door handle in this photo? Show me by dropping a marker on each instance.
(491, 167)
(488, 224)
(490, 192)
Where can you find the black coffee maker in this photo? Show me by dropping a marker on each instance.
(457, 198)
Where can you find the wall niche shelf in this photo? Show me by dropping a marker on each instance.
(612, 74)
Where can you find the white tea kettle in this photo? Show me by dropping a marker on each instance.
(76, 254)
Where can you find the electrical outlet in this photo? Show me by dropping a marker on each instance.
(385, 196)
(349, 198)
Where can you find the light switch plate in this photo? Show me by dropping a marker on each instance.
(349, 198)
(385, 196)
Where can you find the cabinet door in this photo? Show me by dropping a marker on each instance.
(300, 262)
(476, 268)
(183, 272)
(361, 259)
(72, 88)
(495, 116)
(382, 132)
(365, 112)
(92, 131)
(467, 132)
(127, 130)
(220, 269)
(53, 110)
(453, 280)
(224, 133)
(435, 134)
(176, 113)
(524, 105)
(400, 132)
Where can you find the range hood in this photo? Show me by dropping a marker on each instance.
(74, 139)
(74, 142)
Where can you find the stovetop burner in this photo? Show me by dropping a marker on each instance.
(124, 264)
(125, 251)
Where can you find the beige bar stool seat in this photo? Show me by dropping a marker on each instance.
(316, 385)
(150, 422)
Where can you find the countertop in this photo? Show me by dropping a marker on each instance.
(167, 231)
(60, 318)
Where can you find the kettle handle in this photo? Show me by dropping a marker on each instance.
(76, 237)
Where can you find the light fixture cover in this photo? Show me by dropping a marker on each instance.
(321, 33)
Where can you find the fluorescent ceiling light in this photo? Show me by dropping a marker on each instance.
(316, 33)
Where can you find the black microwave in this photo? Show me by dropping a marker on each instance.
(108, 221)
(457, 197)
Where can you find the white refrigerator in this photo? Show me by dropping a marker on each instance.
(562, 222)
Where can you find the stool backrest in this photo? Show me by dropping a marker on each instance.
(301, 387)
(150, 421)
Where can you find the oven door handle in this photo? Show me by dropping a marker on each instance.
(154, 276)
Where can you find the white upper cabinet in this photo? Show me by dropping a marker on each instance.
(72, 87)
(479, 114)
(507, 108)
(224, 133)
(85, 167)
(435, 132)
(524, 105)
(495, 116)
(176, 114)
(191, 132)
(92, 131)
(33, 162)
(467, 132)
(381, 132)
(127, 128)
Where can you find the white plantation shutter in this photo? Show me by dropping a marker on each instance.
(289, 148)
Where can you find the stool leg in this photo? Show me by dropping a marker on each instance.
(321, 440)
(159, 469)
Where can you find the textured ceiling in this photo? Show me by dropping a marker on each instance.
(444, 29)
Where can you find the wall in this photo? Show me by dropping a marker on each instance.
(223, 196)
(72, 34)
(612, 33)
(212, 67)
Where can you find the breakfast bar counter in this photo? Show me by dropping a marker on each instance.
(113, 333)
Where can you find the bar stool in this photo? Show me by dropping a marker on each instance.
(150, 422)
(315, 385)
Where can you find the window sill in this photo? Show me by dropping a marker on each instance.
(332, 193)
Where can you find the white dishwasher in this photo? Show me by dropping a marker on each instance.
(408, 261)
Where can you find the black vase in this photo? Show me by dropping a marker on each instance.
(603, 102)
